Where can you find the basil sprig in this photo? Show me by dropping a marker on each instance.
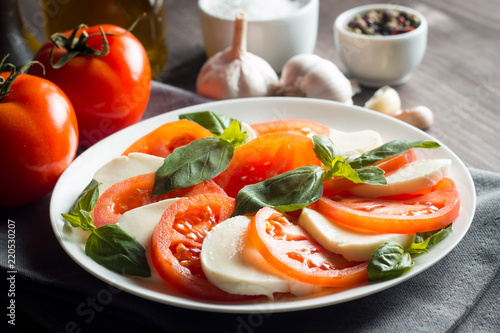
(336, 165)
(390, 149)
(288, 191)
(215, 123)
(391, 260)
(200, 160)
(114, 248)
(108, 245)
(298, 188)
(79, 216)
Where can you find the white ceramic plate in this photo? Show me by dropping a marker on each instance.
(334, 115)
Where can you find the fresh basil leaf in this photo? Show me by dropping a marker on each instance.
(341, 168)
(234, 135)
(81, 219)
(74, 220)
(390, 149)
(288, 191)
(117, 250)
(192, 164)
(336, 165)
(368, 175)
(215, 123)
(439, 236)
(87, 199)
(389, 261)
(79, 216)
(325, 150)
(417, 248)
(429, 239)
(372, 175)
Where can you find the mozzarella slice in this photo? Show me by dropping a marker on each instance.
(123, 167)
(353, 244)
(250, 131)
(140, 223)
(414, 177)
(353, 144)
(223, 262)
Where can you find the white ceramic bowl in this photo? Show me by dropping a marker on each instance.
(274, 39)
(376, 61)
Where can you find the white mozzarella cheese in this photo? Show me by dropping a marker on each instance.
(414, 177)
(352, 244)
(123, 167)
(353, 144)
(140, 223)
(250, 131)
(253, 258)
(223, 262)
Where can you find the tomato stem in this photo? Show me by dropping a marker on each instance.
(76, 46)
(6, 83)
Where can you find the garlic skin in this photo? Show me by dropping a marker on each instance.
(234, 72)
(309, 75)
(386, 100)
(418, 116)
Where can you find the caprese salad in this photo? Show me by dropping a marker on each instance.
(226, 211)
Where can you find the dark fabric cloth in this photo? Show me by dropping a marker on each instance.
(461, 293)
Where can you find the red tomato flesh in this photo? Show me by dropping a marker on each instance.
(163, 140)
(136, 192)
(289, 249)
(409, 214)
(264, 157)
(304, 127)
(177, 240)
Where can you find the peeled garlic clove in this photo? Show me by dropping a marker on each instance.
(234, 72)
(309, 75)
(386, 100)
(418, 116)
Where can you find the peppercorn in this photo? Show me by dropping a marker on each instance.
(383, 22)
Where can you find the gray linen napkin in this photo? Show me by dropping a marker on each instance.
(461, 293)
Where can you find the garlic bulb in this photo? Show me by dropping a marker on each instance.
(234, 72)
(309, 75)
(418, 116)
(385, 100)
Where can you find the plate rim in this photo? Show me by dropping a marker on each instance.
(135, 286)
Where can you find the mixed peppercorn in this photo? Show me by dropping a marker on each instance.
(383, 22)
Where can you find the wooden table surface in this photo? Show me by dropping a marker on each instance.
(459, 78)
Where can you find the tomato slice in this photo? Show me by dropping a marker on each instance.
(264, 157)
(163, 140)
(337, 185)
(304, 127)
(288, 248)
(177, 240)
(421, 212)
(136, 192)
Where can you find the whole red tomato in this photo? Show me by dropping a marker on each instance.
(38, 137)
(109, 89)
